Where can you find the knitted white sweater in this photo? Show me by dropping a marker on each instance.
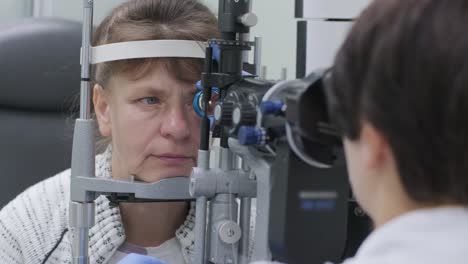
(33, 227)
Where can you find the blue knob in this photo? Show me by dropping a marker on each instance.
(249, 135)
(271, 107)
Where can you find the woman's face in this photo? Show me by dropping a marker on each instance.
(152, 125)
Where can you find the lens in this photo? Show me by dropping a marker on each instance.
(211, 104)
(199, 105)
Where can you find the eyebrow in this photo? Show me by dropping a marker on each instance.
(145, 87)
(156, 89)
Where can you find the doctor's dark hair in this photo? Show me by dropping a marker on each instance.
(404, 69)
(155, 20)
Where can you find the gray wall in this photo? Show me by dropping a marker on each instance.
(277, 27)
(10, 9)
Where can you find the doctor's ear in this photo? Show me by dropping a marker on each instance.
(101, 102)
(376, 150)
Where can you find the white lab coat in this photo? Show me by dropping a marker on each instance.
(430, 236)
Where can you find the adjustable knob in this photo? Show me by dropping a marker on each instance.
(245, 115)
(272, 107)
(248, 20)
(229, 232)
(251, 135)
(223, 113)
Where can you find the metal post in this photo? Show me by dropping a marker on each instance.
(263, 72)
(85, 59)
(42, 8)
(284, 74)
(258, 56)
(200, 213)
(245, 227)
(82, 212)
(200, 230)
(226, 159)
(81, 219)
(245, 54)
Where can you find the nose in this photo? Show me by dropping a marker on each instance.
(176, 123)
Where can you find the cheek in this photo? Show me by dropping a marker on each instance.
(132, 131)
(195, 125)
(193, 119)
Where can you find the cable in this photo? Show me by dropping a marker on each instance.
(55, 246)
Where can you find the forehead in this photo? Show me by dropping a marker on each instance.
(155, 75)
(183, 69)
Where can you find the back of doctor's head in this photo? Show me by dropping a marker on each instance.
(404, 69)
(155, 20)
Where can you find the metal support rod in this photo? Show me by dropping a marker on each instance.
(82, 209)
(81, 242)
(258, 56)
(41, 8)
(284, 74)
(81, 219)
(85, 111)
(263, 72)
(205, 124)
(203, 162)
(245, 53)
(245, 227)
(200, 231)
(227, 159)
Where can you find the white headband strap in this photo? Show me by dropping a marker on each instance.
(148, 49)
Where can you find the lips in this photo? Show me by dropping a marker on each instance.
(174, 159)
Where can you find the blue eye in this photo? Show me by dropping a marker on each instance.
(150, 100)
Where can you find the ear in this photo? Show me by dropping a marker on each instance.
(101, 102)
(376, 150)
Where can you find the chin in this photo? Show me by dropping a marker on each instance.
(164, 174)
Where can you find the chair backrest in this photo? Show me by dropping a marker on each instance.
(39, 80)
